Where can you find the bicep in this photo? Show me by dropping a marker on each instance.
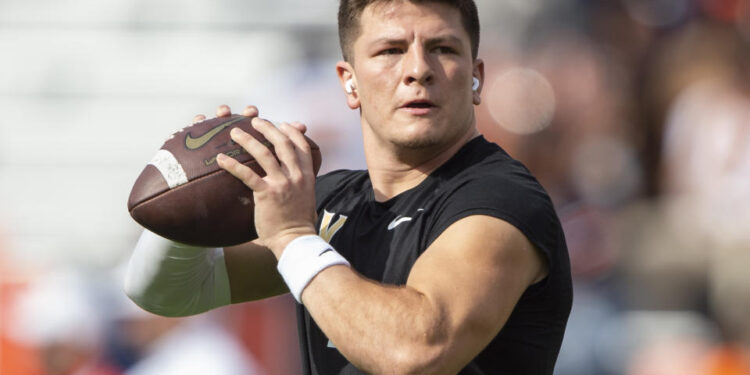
(474, 274)
(252, 272)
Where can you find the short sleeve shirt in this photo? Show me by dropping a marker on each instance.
(382, 240)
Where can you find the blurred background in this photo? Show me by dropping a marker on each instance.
(634, 115)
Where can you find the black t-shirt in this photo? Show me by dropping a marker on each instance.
(382, 240)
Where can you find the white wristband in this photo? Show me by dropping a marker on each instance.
(303, 259)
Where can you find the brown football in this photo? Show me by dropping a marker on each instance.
(183, 195)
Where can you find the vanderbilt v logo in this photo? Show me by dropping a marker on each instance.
(326, 229)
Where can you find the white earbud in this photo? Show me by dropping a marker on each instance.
(349, 86)
(475, 84)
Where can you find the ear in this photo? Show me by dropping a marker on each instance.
(478, 72)
(345, 71)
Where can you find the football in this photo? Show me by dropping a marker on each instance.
(182, 194)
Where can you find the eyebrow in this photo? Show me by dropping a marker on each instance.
(430, 41)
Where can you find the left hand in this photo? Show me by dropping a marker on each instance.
(285, 197)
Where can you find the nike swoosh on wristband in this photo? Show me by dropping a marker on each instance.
(195, 143)
(325, 251)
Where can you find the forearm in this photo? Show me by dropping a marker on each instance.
(171, 279)
(379, 328)
(252, 273)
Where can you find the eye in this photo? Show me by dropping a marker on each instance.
(390, 51)
(445, 50)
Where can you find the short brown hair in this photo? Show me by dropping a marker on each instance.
(351, 10)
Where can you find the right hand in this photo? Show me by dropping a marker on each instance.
(224, 111)
(249, 111)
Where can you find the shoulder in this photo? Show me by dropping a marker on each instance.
(486, 166)
(508, 187)
(486, 177)
(489, 182)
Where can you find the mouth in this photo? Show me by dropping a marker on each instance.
(419, 104)
(419, 107)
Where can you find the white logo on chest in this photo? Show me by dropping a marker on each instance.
(401, 219)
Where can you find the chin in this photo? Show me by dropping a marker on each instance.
(419, 135)
(418, 142)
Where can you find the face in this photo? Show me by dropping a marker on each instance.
(412, 70)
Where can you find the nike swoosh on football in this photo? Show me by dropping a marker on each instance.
(398, 221)
(195, 143)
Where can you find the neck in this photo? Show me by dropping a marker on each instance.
(393, 169)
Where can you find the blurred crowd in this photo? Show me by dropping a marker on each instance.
(634, 115)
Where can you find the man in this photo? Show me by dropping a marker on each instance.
(445, 256)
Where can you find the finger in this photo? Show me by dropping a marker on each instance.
(257, 150)
(299, 126)
(242, 172)
(250, 111)
(223, 111)
(198, 118)
(304, 153)
(282, 145)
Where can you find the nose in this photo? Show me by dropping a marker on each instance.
(417, 67)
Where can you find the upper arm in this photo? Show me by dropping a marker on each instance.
(252, 272)
(473, 274)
